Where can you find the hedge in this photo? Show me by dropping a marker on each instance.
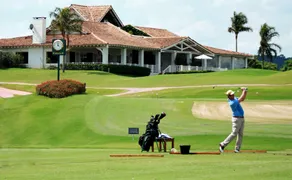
(61, 88)
(112, 68)
(189, 72)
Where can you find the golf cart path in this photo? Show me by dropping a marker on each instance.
(133, 90)
(9, 93)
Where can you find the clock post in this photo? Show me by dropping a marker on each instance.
(58, 49)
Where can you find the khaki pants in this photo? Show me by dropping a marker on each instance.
(237, 130)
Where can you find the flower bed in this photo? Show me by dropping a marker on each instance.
(61, 88)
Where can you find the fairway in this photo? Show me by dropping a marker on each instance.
(73, 137)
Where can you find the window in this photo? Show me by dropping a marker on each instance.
(52, 59)
(72, 56)
(86, 57)
(25, 57)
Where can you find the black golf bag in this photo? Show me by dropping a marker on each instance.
(151, 133)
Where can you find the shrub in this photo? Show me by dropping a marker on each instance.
(9, 60)
(61, 88)
(287, 65)
(189, 72)
(112, 68)
(134, 31)
(256, 64)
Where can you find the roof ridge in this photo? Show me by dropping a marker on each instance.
(167, 37)
(89, 6)
(119, 29)
(105, 13)
(90, 13)
(151, 27)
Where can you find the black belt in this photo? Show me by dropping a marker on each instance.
(238, 116)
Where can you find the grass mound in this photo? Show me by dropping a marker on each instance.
(60, 89)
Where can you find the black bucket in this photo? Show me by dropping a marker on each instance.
(185, 149)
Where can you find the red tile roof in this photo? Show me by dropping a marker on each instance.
(91, 13)
(163, 42)
(25, 41)
(226, 52)
(116, 36)
(156, 32)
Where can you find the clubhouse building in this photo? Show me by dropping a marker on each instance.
(104, 40)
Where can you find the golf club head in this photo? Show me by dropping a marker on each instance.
(162, 115)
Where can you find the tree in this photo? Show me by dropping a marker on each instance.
(238, 22)
(266, 47)
(65, 22)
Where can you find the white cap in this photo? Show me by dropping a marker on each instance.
(229, 92)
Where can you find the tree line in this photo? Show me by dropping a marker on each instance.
(267, 33)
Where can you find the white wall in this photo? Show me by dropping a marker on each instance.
(35, 56)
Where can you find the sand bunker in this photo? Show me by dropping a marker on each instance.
(261, 112)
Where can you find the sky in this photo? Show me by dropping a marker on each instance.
(205, 21)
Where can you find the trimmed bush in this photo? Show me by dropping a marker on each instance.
(112, 68)
(60, 89)
(189, 72)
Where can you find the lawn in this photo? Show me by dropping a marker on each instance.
(72, 138)
(103, 79)
(102, 122)
(96, 164)
(203, 93)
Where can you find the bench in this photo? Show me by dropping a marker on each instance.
(164, 140)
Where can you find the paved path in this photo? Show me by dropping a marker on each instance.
(8, 93)
(133, 90)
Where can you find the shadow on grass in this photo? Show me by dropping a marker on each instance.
(106, 73)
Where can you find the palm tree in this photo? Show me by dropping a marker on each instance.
(266, 48)
(238, 25)
(65, 22)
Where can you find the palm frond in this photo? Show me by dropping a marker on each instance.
(246, 29)
(276, 45)
(231, 30)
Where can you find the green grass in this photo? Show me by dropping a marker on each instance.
(96, 164)
(102, 122)
(72, 138)
(103, 79)
(254, 93)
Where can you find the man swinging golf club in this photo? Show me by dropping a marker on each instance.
(237, 120)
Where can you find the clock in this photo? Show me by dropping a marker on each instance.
(58, 45)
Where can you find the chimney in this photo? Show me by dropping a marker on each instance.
(38, 28)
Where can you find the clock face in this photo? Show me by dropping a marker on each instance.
(58, 45)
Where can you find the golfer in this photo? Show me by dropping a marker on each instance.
(237, 120)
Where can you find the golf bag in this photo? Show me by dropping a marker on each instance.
(151, 133)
